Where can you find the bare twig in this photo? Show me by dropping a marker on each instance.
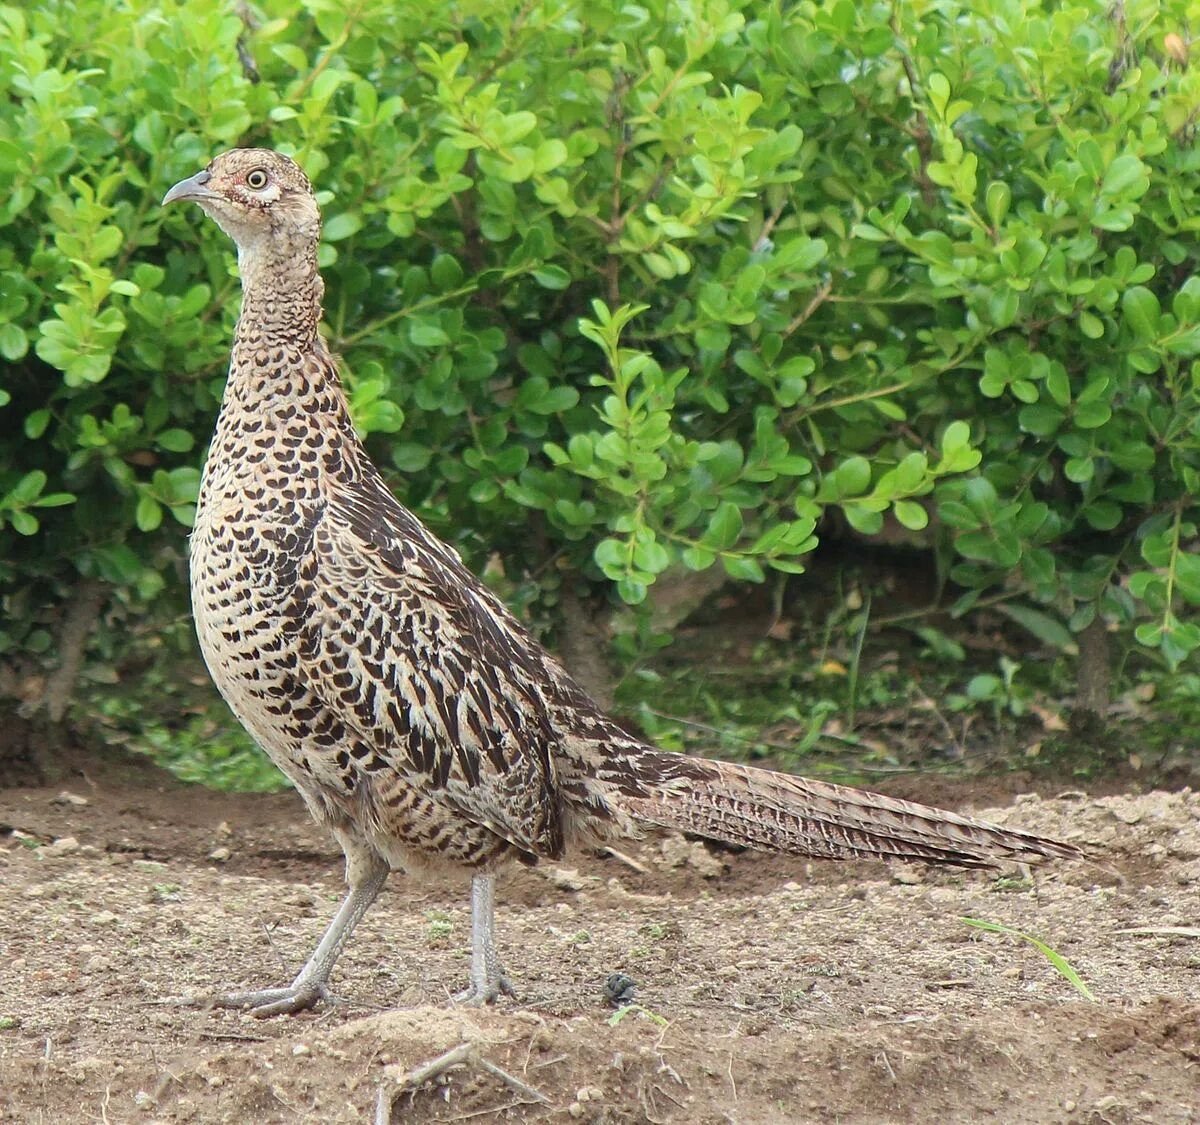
(250, 25)
(220, 1035)
(274, 948)
(462, 1055)
(549, 1062)
(512, 1082)
(651, 193)
(668, 1095)
(1161, 931)
(492, 1112)
(764, 236)
(628, 860)
(416, 1078)
(817, 301)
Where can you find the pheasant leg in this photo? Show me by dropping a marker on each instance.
(487, 978)
(366, 881)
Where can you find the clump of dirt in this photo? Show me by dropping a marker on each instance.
(763, 989)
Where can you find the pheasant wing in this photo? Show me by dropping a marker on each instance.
(427, 669)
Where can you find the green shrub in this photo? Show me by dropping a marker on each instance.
(621, 286)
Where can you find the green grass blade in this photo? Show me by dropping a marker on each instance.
(1065, 968)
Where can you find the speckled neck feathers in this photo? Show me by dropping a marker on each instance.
(281, 296)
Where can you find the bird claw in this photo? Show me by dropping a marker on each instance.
(276, 1001)
(265, 1002)
(480, 994)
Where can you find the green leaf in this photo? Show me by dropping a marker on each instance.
(998, 198)
(426, 335)
(1041, 625)
(13, 342)
(1056, 959)
(149, 512)
(28, 487)
(743, 568)
(446, 272)
(724, 527)
(865, 521)
(1141, 312)
(910, 514)
(549, 155)
(552, 277)
(411, 457)
(612, 557)
(1126, 174)
(853, 476)
(36, 423)
(24, 523)
(342, 226)
(955, 437)
(175, 440)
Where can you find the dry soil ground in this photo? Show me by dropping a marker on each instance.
(769, 990)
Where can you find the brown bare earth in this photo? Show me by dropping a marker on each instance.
(769, 990)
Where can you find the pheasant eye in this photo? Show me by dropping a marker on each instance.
(256, 179)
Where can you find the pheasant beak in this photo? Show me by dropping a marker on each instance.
(194, 188)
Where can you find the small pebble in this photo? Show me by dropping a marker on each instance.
(569, 879)
(619, 989)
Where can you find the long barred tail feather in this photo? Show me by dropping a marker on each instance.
(771, 811)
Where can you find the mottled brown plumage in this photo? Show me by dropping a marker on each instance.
(415, 715)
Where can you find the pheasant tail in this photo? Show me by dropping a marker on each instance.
(770, 811)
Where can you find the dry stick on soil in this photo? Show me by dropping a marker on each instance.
(628, 860)
(283, 965)
(1161, 931)
(166, 1077)
(220, 1036)
(887, 1065)
(492, 1112)
(464, 1053)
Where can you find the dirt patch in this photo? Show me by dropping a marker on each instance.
(768, 990)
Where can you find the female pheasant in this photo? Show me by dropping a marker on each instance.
(417, 718)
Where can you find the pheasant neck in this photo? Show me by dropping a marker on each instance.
(281, 299)
(279, 361)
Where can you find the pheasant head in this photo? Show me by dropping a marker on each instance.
(265, 203)
(259, 198)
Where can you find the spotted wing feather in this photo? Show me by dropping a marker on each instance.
(423, 664)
